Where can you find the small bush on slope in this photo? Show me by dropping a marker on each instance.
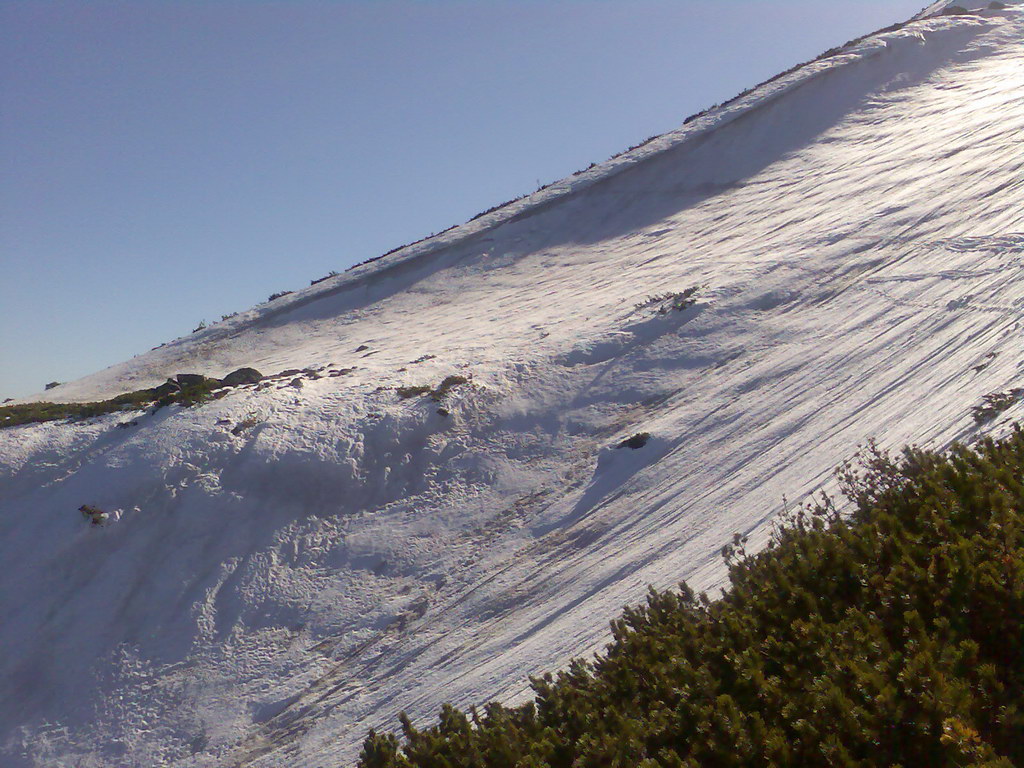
(667, 302)
(438, 395)
(995, 403)
(892, 638)
(32, 413)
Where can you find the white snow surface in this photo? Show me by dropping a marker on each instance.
(289, 566)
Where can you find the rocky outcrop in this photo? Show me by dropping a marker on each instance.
(190, 379)
(242, 376)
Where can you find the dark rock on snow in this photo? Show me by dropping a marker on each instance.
(242, 376)
(190, 379)
(169, 387)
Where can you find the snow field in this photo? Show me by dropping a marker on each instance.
(268, 596)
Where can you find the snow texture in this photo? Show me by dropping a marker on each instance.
(294, 563)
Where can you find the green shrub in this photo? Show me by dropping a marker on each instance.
(328, 276)
(893, 637)
(673, 301)
(440, 393)
(995, 403)
(193, 394)
(31, 413)
(446, 386)
(247, 423)
(406, 392)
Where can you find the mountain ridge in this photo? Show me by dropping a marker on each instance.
(694, 129)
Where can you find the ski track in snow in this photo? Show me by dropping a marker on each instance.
(266, 597)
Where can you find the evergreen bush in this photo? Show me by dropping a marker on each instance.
(673, 301)
(892, 637)
(995, 403)
(196, 393)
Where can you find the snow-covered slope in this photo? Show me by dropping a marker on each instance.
(955, 6)
(294, 564)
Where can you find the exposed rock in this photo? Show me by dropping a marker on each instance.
(169, 387)
(190, 379)
(94, 514)
(247, 423)
(242, 376)
(637, 441)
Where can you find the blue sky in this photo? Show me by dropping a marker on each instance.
(163, 163)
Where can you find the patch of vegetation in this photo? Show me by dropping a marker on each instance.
(436, 394)
(995, 403)
(195, 393)
(446, 386)
(407, 392)
(639, 144)
(494, 208)
(328, 276)
(891, 637)
(675, 301)
(52, 385)
(396, 249)
(248, 422)
(200, 327)
(30, 413)
(279, 295)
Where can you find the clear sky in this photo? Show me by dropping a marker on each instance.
(163, 163)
